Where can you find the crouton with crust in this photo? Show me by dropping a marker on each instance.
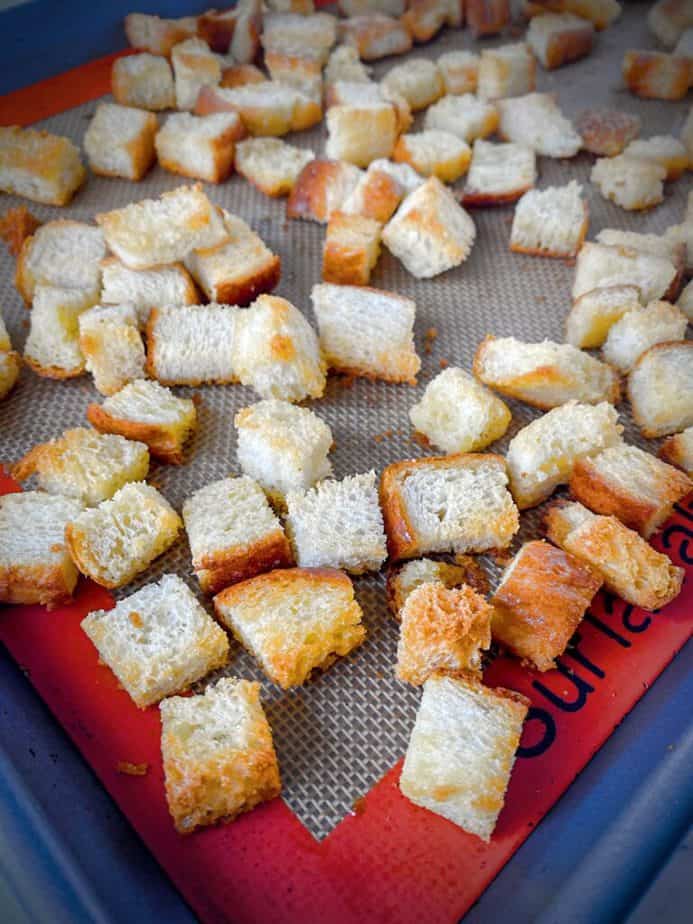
(487, 17)
(192, 344)
(434, 153)
(321, 188)
(40, 166)
(63, 253)
(459, 71)
(600, 265)
(509, 70)
(201, 147)
(376, 195)
(655, 75)
(402, 579)
(375, 36)
(110, 341)
(607, 132)
(52, 348)
(550, 222)
(156, 35)
(559, 38)
(361, 133)
(638, 329)
(465, 116)
(271, 164)
(664, 150)
(594, 313)
(145, 289)
(419, 81)
(194, 66)
(144, 81)
(120, 141)
(678, 450)
(537, 121)
(499, 173)
(660, 389)
(351, 249)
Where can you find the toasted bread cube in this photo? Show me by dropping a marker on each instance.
(367, 332)
(194, 66)
(660, 389)
(459, 71)
(640, 328)
(595, 312)
(10, 366)
(542, 455)
(375, 36)
(271, 164)
(659, 245)
(145, 289)
(628, 565)
(317, 32)
(668, 18)
(406, 178)
(403, 579)
(218, 754)
(602, 266)
(678, 450)
(66, 254)
(537, 121)
(425, 18)
(192, 344)
(545, 374)
(540, 601)
(601, 13)
(487, 17)
(607, 132)
(40, 166)
(664, 150)
(144, 81)
(156, 35)
(550, 222)
(509, 70)
(238, 75)
(293, 621)
(337, 524)
(351, 249)
(282, 446)
(434, 153)
(52, 348)
(457, 503)
(277, 353)
(201, 147)
(499, 173)
(120, 141)
(442, 630)
(465, 116)
(84, 464)
(368, 95)
(158, 640)
(267, 108)
(462, 750)
(458, 414)
(361, 133)
(237, 271)
(112, 347)
(164, 230)
(147, 412)
(655, 75)
(233, 533)
(321, 188)
(419, 81)
(376, 195)
(559, 38)
(344, 64)
(430, 232)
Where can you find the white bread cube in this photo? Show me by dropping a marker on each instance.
(120, 141)
(406, 178)
(321, 189)
(337, 524)
(344, 64)
(238, 75)
(459, 70)
(157, 641)
(145, 289)
(499, 173)
(600, 266)
(361, 133)
(375, 36)
(10, 365)
(271, 164)
(112, 347)
(593, 314)
(156, 35)
(666, 245)
(550, 222)
(660, 389)
(559, 38)
(218, 754)
(277, 353)
(194, 66)
(163, 230)
(305, 35)
(685, 301)
(237, 271)
(678, 450)
(35, 566)
(404, 578)
(544, 374)
(457, 503)
(655, 75)
(358, 7)
(192, 344)
(537, 121)
(487, 17)
(144, 81)
(283, 447)
(40, 166)
(419, 81)
(607, 132)
(351, 249)
(84, 464)
(664, 150)
(147, 412)
(462, 749)
(457, 414)
(424, 18)
(434, 153)
(52, 348)
(640, 328)
(541, 455)
(628, 565)
(629, 483)
(66, 254)
(668, 18)
(601, 13)
(114, 542)
(233, 533)
(465, 116)
(368, 95)
(268, 108)
(430, 232)
(376, 195)
(201, 147)
(509, 70)
(367, 332)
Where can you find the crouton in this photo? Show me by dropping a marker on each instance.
(40, 166)
(52, 348)
(457, 414)
(149, 413)
(638, 329)
(156, 35)
(434, 153)
(344, 64)
(10, 365)
(16, 225)
(219, 27)
(370, 96)
(668, 18)
(685, 302)
(462, 748)
(678, 450)
(144, 81)
(660, 389)
(201, 147)
(164, 230)
(84, 464)
(628, 565)
(233, 533)
(601, 13)
(218, 754)
(276, 352)
(559, 38)
(112, 347)
(321, 188)
(419, 81)
(361, 133)
(271, 164)
(465, 116)
(283, 447)
(376, 195)
(245, 41)
(430, 232)
(651, 244)
(145, 289)
(351, 249)
(238, 75)
(509, 70)
(192, 344)
(157, 641)
(293, 621)
(499, 173)
(425, 18)
(595, 312)
(120, 141)
(266, 109)
(367, 332)
(550, 222)
(601, 266)
(406, 178)
(664, 150)
(607, 132)
(375, 36)
(61, 253)
(403, 579)
(540, 601)
(537, 121)
(655, 75)
(457, 503)
(194, 66)
(629, 483)
(309, 34)
(487, 17)
(459, 71)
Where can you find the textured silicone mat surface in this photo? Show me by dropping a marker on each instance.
(336, 736)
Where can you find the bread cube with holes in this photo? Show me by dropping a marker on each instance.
(40, 166)
(499, 173)
(367, 332)
(607, 132)
(361, 133)
(63, 253)
(192, 344)
(457, 503)
(459, 71)
(457, 414)
(344, 64)
(537, 121)
(271, 164)
(194, 66)
(144, 81)
(293, 621)
(542, 455)
(375, 36)
(465, 116)
(52, 348)
(664, 150)
(601, 13)
(425, 18)
(266, 109)
(443, 629)
(594, 313)
(550, 222)
(376, 195)
(292, 33)
(434, 153)
(233, 533)
(655, 75)
(540, 601)
(283, 447)
(602, 266)
(157, 641)
(149, 413)
(509, 70)
(669, 246)
(239, 75)
(145, 289)
(201, 147)
(369, 95)
(678, 450)
(559, 38)
(157, 35)
(113, 351)
(405, 578)
(351, 249)
(640, 328)
(35, 565)
(321, 189)
(462, 750)
(120, 141)
(419, 81)
(660, 389)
